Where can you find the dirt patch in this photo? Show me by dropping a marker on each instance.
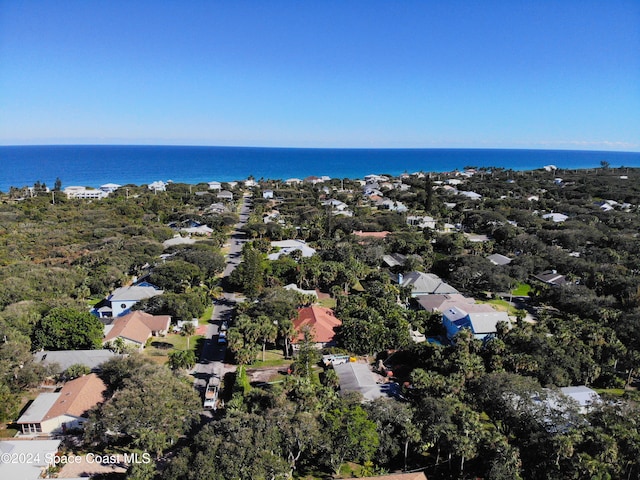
(264, 374)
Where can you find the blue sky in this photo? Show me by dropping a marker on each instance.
(495, 74)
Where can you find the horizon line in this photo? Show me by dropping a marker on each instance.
(546, 148)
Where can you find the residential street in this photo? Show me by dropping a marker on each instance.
(212, 356)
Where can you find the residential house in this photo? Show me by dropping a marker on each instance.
(91, 359)
(123, 298)
(109, 187)
(470, 195)
(441, 302)
(322, 323)
(394, 260)
(286, 247)
(85, 193)
(198, 229)
(41, 452)
(295, 288)
(293, 181)
(136, 328)
(357, 377)
(498, 259)
(176, 240)
(215, 185)
(267, 194)
(58, 412)
(584, 396)
(425, 284)
(225, 195)
(551, 277)
(158, 186)
(481, 319)
(555, 217)
(421, 221)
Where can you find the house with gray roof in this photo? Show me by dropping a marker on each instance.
(481, 319)
(551, 277)
(286, 247)
(425, 284)
(224, 195)
(65, 358)
(498, 259)
(357, 377)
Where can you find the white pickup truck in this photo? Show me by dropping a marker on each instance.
(334, 359)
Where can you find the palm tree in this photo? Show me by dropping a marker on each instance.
(188, 329)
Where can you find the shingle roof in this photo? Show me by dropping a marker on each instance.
(357, 377)
(485, 322)
(133, 292)
(78, 396)
(66, 358)
(426, 283)
(137, 326)
(321, 320)
(441, 302)
(498, 259)
(75, 398)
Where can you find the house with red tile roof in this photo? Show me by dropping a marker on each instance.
(63, 410)
(136, 328)
(321, 321)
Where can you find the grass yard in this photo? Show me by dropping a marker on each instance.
(522, 290)
(206, 316)
(272, 358)
(501, 305)
(327, 303)
(158, 348)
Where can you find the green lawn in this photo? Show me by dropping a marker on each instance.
(158, 348)
(617, 392)
(206, 316)
(522, 290)
(272, 358)
(500, 305)
(327, 302)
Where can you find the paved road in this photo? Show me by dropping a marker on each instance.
(213, 353)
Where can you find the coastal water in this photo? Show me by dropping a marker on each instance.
(95, 165)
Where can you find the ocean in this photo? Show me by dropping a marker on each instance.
(95, 165)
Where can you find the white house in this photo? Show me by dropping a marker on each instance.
(286, 247)
(421, 221)
(555, 217)
(123, 298)
(158, 186)
(213, 185)
(84, 193)
(109, 187)
(267, 194)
